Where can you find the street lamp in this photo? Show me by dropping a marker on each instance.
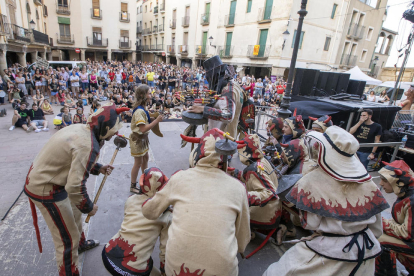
(211, 39)
(285, 37)
(284, 111)
(32, 24)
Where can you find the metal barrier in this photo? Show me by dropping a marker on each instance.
(395, 145)
(403, 118)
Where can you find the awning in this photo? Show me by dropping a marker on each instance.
(64, 20)
(357, 74)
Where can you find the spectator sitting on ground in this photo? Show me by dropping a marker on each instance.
(16, 99)
(38, 98)
(37, 118)
(66, 117)
(79, 117)
(21, 118)
(46, 107)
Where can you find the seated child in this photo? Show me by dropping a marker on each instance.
(63, 119)
(129, 251)
(79, 118)
(47, 107)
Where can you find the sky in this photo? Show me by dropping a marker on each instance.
(396, 9)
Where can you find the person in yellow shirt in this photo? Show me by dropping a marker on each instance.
(150, 78)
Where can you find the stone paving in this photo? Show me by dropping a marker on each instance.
(19, 254)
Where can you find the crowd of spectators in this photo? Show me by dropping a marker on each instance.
(100, 81)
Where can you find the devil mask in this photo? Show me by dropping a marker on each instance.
(297, 126)
(399, 175)
(152, 181)
(275, 127)
(322, 123)
(251, 150)
(105, 122)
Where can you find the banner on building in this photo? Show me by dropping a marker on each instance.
(198, 49)
(256, 50)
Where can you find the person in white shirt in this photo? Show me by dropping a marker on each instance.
(74, 80)
(118, 77)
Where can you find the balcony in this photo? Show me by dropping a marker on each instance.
(145, 48)
(39, 37)
(225, 51)
(159, 47)
(156, 10)
(261, 52)
(171, 49)
(18, 33)
(173, 24)
(348, 60)
(153, 47)
(124, 17)
(38, 2)
(139, 48)
(161, 28)
(264, 15)
(64, 10)
(201, 50)
(186, 21)
(162, 7)
(205, 19)
(5, 28)
(147, 31)
(93, 42)
(66, 39)
(155, 29)
(139, 30)
(124, 44)
(356, 31)
(183, 49)
(229, 20)
(96, 14)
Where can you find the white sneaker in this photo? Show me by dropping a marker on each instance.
(11, 128)
(38, 130)
(45, 129)
(30, 128)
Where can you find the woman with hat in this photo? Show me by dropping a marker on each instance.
(339, 201)
(397, 241)
(293, 128)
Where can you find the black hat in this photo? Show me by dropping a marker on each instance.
(212, 63)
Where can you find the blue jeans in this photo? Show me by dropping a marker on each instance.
(363, 157)
(150, 83)
(84, 85)
(171, 88)
(184, 85)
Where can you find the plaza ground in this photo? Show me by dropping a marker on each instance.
(19, 253)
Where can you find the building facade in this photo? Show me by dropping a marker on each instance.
(23, 32)
(92, 29)
(258, 36)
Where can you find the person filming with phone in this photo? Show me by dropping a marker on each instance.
(366, 131)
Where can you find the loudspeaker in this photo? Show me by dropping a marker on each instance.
(356, 87)
(332, 83)
(343, 81)
(305, 81)
(322, 80)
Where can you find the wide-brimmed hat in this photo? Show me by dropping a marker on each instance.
(337, 155)
(213, 63)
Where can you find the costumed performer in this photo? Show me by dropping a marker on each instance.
(56, 183)
(321, 124)
(397, 241)
(339, 201)
(129, 251)
(210, 224)
(141, 124)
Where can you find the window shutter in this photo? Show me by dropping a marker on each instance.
(95, 4)
(64, 20)
(124, 7)
(97, 29)
(125, 33)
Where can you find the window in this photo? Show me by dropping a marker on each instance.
(125, 37)
(145, 8)
(63, 3)
(45, 11)
(249, 6)
(369, 33)
(300, 41)
(45, 27)
(364, 55)
(96, 8)
(64, 30)
(37, 15)
(124, 11)
(327, 43)
(334, 11)
(97, 35)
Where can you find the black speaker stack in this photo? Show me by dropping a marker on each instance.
(311, 82)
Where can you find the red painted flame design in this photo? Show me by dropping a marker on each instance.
(184, 271)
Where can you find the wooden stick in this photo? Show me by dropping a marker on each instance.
(102, 184)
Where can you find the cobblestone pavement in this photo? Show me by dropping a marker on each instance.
(19, 253)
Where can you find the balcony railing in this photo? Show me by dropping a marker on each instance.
(159, 47)
(145, 48)
(63, 10)
(162, 7)
(348, 60)
(156, 10)
(154, 29)
(5, 29)
(229, 20)
(96, 14)
(201, 50)
(139, 48)
(147, 31)
(173, 24)
(124, 16)
(265, 14)
(205, 19)
(139, 30)
(261, 52)
(356, 31)
(161, 28)
(225, 51)
(186, 21)
(153, 47)
(18, 32)
(66, 39)
(40, 37)
(93, 42)
(183, 49)
(38, 2)
(124, 44)
(171, 49)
